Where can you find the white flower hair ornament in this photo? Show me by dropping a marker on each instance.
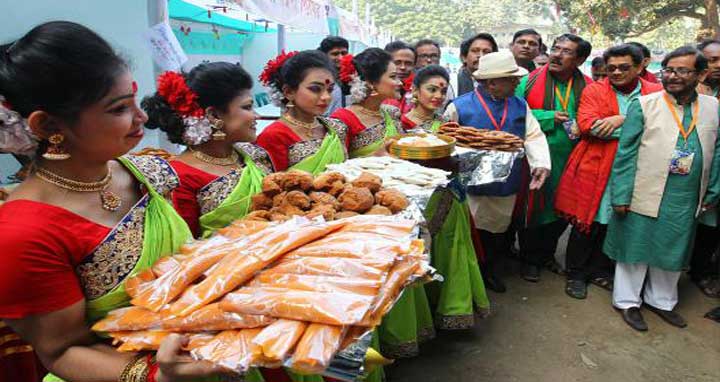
(15, 134)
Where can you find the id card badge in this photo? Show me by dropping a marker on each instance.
(681, 162)
(572, 130)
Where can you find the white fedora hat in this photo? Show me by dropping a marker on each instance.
(498, 65)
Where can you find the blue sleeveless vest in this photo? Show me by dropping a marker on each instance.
(471, 113)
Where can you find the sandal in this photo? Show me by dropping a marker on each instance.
(709, 287)
(714, 314)
(603, 282)
(554, 267)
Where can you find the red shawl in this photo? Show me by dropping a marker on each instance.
(586, 174)
(539, 84)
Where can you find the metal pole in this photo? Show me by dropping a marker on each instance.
(282, 45)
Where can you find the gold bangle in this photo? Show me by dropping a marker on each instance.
(136, 370)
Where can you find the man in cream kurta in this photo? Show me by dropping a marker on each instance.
(493, 105)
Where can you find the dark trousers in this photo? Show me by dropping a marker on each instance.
(585, 258)
(702, 264)
(539, 243)
(496, 247)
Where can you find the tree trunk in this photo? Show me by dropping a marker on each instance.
(711, 23)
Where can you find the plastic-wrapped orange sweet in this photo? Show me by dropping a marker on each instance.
(315, 283)
(262, 249)
(147, 340)
(233, 350)
(329, 266)
(327, 308)
(316, 348)
(279, 338)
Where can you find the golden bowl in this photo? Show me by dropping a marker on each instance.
(422, 153)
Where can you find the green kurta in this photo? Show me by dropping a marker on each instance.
(605, 211)
(664, 242)
(560, 148)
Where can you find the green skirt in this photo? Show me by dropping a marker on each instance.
(462, 291)
(407, 325)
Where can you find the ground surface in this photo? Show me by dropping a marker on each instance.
(536, 333)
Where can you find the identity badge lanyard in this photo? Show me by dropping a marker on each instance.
(570, 126)
(497, 126)
(682, 159)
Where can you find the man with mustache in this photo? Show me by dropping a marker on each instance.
(404, 57)
(666, 172)
(583, 196)
(494, 105)
(553, 92)
(525, 47)
(703, 270)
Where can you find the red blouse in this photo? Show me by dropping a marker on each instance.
(407, 123)
(276, 139)
(185, 196)
(41, 246)
(351, 120)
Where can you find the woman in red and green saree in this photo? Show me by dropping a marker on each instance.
(301, 84)
(87, 218)
(462, 292)
(220, 170)
(372, 78)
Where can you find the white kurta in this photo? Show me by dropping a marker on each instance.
(494, 213)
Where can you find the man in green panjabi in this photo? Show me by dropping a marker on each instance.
(553, 93)
(666, 172)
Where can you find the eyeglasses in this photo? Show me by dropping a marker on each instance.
(431, 56)
(680, 72)
(562, 51)
(622, 68)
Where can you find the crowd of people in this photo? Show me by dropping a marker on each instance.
(630, 162)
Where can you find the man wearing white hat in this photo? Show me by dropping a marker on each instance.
(494, 106)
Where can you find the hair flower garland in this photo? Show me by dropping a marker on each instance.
(347, 69)
(270, 77)
(408, 82)
(172, 87)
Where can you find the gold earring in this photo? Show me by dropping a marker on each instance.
(373, 92)
(218, 134)
(55, 150)
(414, 99)
(290, 104)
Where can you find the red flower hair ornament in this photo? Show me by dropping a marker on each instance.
(269, 76)
(171, 86)
(347, 69)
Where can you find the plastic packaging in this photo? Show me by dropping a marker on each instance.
(329, 266)
(316, 348)
(233, 350)
(325, 308)
(147, 340)
(260, 250)
(317, 283)
(209, 318)
(277, 339)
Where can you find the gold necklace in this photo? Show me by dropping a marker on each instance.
(419, 117)
(231, 160)
(297, 123)
(368, 112)
(110, 201)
